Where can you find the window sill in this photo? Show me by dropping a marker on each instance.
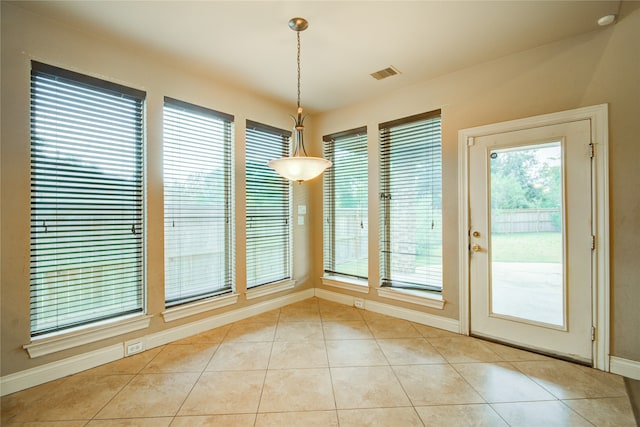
(198, 307)
(424, 298)
(354, 285)
(272, 288)
(65, 341)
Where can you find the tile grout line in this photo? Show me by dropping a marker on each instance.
(433, 346)
(204, 369)
(197, 379)
(498, 414)
(447, 363)
(395, 374)
(266, 371)
(540, 383)
(133, 376)
(575, 412)
(333, 388)
(486, 402)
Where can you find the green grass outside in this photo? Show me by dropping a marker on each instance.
(507, 247)
(527, 247)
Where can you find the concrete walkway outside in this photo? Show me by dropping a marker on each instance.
(531, 291)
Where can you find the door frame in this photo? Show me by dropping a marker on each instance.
(598, 116)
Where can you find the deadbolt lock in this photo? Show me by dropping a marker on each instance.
(476, 234)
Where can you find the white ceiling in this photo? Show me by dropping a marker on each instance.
(249, 43)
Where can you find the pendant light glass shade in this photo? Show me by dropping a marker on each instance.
(299, 167)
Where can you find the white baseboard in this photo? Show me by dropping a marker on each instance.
(334, 296)
(440, 322)
(451, 325)
(52, 371)
(625, 367)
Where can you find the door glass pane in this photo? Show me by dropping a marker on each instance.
(526, 246)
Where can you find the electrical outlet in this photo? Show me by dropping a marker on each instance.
(133, 347)
(358, 302)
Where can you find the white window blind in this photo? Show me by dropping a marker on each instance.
(345, 204)
(86, 200)
(198, 221)
(268, 206)
(411, 202)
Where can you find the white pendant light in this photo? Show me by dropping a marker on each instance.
(299, 167)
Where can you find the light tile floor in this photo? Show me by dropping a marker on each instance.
(318, 363)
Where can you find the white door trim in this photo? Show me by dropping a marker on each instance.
(598, 115)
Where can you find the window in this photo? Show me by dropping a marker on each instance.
(198, 221)
(268, 207)
(345, 204)
(411, 202)
(86, 200)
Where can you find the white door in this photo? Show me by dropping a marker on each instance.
(530, 238)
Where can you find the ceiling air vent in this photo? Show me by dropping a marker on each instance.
(383, 74)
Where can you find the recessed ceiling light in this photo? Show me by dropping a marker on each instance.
(606, 20)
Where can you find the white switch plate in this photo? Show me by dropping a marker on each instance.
(302, 209)
(300, 220)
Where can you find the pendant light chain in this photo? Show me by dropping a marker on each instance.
(299, 166)
(298, 34)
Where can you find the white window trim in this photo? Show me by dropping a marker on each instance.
(59, 342)
(414, 296)
(349, 284)
(271, 288)
(182, 311)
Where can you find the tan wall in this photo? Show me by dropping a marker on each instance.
(595, 68)
(25, 37)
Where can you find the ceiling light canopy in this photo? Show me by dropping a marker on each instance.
(299, 167)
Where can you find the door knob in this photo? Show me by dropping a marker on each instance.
(475, 247)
